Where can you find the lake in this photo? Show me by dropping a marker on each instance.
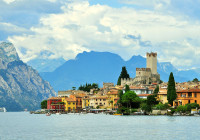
(25, 126)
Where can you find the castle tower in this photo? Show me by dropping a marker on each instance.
(152, 62)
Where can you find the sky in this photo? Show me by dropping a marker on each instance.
(64, 28)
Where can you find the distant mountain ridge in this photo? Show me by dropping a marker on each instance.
(102, 67)
(44, 63)
(21, 87)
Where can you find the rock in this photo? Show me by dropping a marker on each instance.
(21, 87)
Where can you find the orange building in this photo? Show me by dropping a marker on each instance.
(78, 98)
(187, 96)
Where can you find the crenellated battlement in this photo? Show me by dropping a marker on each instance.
(152, 54)
(143, 69)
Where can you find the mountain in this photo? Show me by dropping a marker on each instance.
(21, 87)
(42, 63)
(102, 67)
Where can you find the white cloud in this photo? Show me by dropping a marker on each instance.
(84, 27)
(9, 1)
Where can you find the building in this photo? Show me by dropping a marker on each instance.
(70, 104)
(162, 95)
(67, 93)
(140, 90)
(108, 85)
(146, 75)
(143, 96)
(187, 96)
(86, 102)
(78, 99)
(55, 104)
(101, 102)
(113, 97)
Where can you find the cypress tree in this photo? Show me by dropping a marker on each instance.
(127, 88)
(171, 90)
(156, 90)
(124, 74)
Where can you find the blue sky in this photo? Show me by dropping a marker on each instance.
(125, 27)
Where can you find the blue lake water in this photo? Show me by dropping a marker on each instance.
(25, 126)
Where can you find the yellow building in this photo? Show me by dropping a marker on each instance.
(70, 104)
(86, 102)
(162, 96)
(100, 102)
(112, 97)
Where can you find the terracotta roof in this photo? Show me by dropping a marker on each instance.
(54, 98)
(70, 100)
(154, 83)
(100, 97)
(161, 92)
(143, 95)
(113, 92)
(189, 90)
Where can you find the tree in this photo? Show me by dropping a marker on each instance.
(195, 80)
(97, 107)
(145, 107)
(151, 100)
(129, 98)
(44, 104)
(127, 88)
(73, 88)
(156, 90)
(124, 74)
(171, 90)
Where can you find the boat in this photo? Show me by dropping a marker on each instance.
(58, 113)
(117, 114)
(3, 109)
(48, 114)
(197, 115)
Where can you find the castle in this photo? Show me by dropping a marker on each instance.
(146, 75)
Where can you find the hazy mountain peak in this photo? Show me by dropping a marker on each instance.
(8, 52)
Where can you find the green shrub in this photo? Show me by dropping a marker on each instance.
(133, 110)
(161, 106)
(182, 109)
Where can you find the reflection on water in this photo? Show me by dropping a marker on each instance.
(24, 126)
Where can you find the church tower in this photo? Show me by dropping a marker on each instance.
(152, 62)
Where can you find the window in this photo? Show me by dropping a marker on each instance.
(69, 103)
(96, 99)
(104, 103)
(104, 99)
(73, 103)
(189, 94)
(100, 99)
(195, 95)
(195, 101)
(188, 101)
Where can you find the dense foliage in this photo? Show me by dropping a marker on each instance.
(124, 74)
(171, 90)
(44, 104)
(156, 90)
(128, 102)
(87, 87)
(131, 99)
(195, 80)
(161, 106)
(187, 107)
